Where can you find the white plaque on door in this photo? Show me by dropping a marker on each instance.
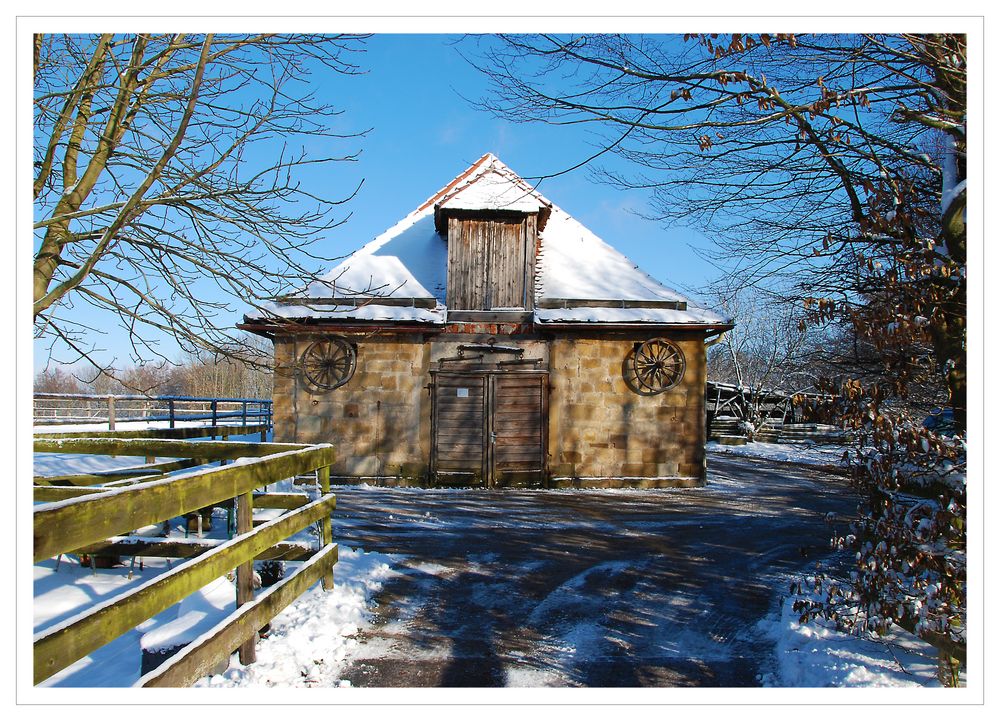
(462, 392)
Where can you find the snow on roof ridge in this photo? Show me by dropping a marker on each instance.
(487, 163)
(455, 181)
(490, 162)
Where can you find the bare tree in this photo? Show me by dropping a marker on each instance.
(828, 168)
(219, 375)
(767, 351)
(168, 185)
(831, 169)
(56, 380)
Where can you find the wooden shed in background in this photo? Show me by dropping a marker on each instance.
(489, 339)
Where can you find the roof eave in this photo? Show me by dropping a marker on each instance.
(271, 327)
(713, 328)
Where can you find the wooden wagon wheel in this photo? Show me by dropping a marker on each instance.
(329, 363)
(658, 365)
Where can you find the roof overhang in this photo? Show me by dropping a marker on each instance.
(358, 301)
(441, 215)
(272, 328)
(709, 330)
(625, 303)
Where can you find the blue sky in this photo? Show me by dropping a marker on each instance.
(424, 132)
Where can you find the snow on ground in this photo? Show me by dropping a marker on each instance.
(307, 641)
(59, 464)
(67, 589)
(196, 614)
(815, 654)
(310, 641)
(806, 453)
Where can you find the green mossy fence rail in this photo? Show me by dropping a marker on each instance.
(95, 513)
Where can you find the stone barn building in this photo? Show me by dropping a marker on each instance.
(489, 339)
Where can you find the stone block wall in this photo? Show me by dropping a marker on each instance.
(379, 421)
(601, 433)
(600, 430)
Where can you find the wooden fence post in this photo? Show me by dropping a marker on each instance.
(244, 414)
(326, 530)
(215, 414)
(170, 404)
(111, 413)
(244, 573)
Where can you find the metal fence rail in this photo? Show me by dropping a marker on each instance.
(82, 408)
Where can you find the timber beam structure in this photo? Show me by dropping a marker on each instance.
(156, 547)
(59, 646)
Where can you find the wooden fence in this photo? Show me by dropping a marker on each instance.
(82, 408)
(94, 513)
(769, 411)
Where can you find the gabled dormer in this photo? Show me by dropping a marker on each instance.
(491, 219)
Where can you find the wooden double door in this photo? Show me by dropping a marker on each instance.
(489, 428)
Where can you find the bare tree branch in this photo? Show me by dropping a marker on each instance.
(168, 180)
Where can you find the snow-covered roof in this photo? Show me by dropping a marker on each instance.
(575, 263)
(496, 188)
(362, 313)
(579, 278)
(407, 261)
(692, 315)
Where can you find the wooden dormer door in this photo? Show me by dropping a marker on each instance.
(491, 261)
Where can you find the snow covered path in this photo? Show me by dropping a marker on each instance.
(587, 588)
(809, 454)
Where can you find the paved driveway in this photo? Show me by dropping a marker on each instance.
(587, 588)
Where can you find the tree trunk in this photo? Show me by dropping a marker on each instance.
(948, 669)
